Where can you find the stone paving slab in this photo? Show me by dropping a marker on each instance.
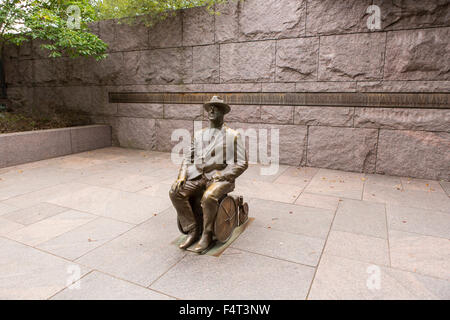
(257, 173)
(418, 253)
(28, 273)
(337, 183)
(358, 247)
(411, 184)
(46, 194)
(307, 221)
(297, 176)
(45, 230)
(7, 226)
(115, 179)
(342, 279)
(425, 222)
(268, 191)
(282, 245)
(316, 233)
(142, 254)
(235, 275)
(99, 286)
(361, 217)
(77, 242)
(123, 206)
(318, 201)
(430, 200)
(4, 208)
(34, 214)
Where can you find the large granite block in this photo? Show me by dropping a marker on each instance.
(297, 59)
(49, 71)
(159, 66)
(106, 71)
(272, 19)
(415, 154)
(243, 113)
(90, 138)
(47, 99)
(291, 143)
(247, 62)
(278, 87)
(277, 114)
(100, 101)
(166, 33)
(206, 64)
(349, 149)
(198, 26)
(412, 14)
(76, 98)
(131, 36)
(78, 72)
(403, 86)
(183, 111)
(227, 22)
(418, 55)
(352, 57)
(11, 74)
(165, 128)
(10, 51)
(94, 28)
(21, 97)
(337, 16)
(401, 118)
(26, 50)
(141, 110)
(23, 147)
(323, 116)
(325, 86)
(136, 133)
(37, 51)
(107, 32)
(232, 87)
(18, 72)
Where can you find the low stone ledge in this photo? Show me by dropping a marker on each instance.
(349, 149)
(22, 147)
(403, 119)
(416, 154)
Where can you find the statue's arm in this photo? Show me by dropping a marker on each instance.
(188, 159)
(237, 167)
(182, 173)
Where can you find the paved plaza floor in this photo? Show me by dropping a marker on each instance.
(100, 225)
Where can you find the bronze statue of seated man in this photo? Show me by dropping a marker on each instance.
(217, 158)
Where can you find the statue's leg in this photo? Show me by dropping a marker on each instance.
(186, 216)
(210, 205)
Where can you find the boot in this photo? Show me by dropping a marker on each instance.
(204, 243)
(193, 236)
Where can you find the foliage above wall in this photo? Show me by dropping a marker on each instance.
(150, 10)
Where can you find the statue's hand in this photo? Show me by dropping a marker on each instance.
(178, 184)
(218, 177)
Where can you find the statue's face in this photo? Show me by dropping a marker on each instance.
(215, 113)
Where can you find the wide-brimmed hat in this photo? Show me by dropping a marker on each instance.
(217, 101)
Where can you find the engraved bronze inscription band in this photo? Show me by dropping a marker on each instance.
(333, 99)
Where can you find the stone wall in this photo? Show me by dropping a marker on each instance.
(268, 46)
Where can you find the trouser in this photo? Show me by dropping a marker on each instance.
(212, 192)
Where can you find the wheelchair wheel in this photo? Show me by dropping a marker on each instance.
(226, 219)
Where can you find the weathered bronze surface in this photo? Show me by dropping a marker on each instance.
(334, 99)
(217, 157)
